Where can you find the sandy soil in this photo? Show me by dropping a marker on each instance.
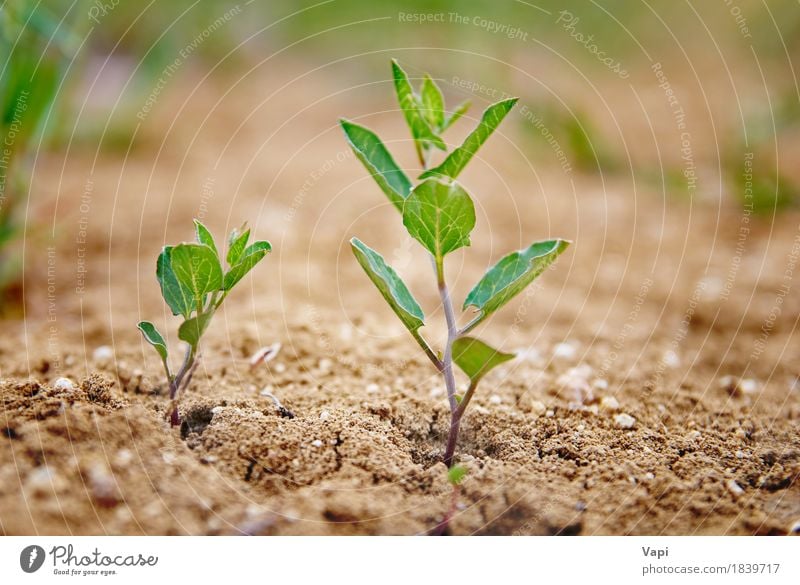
(646, 315)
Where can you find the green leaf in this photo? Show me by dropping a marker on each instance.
(252, 255)
(440, 216)
(458, 159)
(197, 268)
(432, 102)
(204, 236)
(192, 329)
(154, 338)
(379, 162)
(177, 296)
(410, 105)
(236, 245)
(512, 274)
(475, 358)
(460, 110)
(456, 474)
(389, 284)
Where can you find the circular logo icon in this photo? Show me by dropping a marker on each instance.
(31, 558)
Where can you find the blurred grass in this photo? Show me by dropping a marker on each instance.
(34, 52)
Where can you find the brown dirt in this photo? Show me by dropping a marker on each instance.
(645, 278)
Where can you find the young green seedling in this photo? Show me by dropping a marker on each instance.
(440, 215)
(194, 284)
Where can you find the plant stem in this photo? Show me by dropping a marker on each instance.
(455, 423)
(176, 383)
(452, 333)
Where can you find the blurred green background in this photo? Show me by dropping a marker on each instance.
(51, 50)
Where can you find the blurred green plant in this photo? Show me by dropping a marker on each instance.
(34, 52)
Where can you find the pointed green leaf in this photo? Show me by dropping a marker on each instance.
(389, 284)
(410, 105)
(252, 255)
(433, 103)
(154, 338)
(458, 159)
(204, 236)
(192, 329)
(456, 474)
(440, 216)
(379, 162)
(460, 110)
(512, 274)
(236, 245)
(475, 358)
(197, 268)
(177, 296)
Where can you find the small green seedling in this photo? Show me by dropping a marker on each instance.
(194, 284)
(440, 215)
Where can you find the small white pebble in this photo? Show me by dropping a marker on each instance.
(217, 409)
(609, 403)
(495, 399)
(372, 388)
(671, 359)
(324, 415)
(734, 487)
(624, 421)
(123, 457)
(593, 408)
(693, 435)
(280, 367)
(103, 355)
(748, 386)
(325, 365)
(740, 455)
(550, 413)
(649, 476)
(538, 408)
(580, 428)
(565, 351)
(64, 384)
(436, 391)
(168, 457)
(600, 384)
(481, 410)
(316, 443)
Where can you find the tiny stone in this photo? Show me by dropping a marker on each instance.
(649, 476)
(217, 409)
(580, 428)
(600, 384)
(64, 384)
(565, 351)
(316, 443)
(740, 455)
(748, 386)
(593, 408)
(609, 403)
(436, 391)
(495, 399)
(324, 415)
(550, 413)
(671, 359)
(693, 435)
(734, 487)
(480, 409)
(538, 407)
(103, 354)
(265, 354)
(280, 367)
(372, 388)
(325, 365)
(624, 421)
(123, 457)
